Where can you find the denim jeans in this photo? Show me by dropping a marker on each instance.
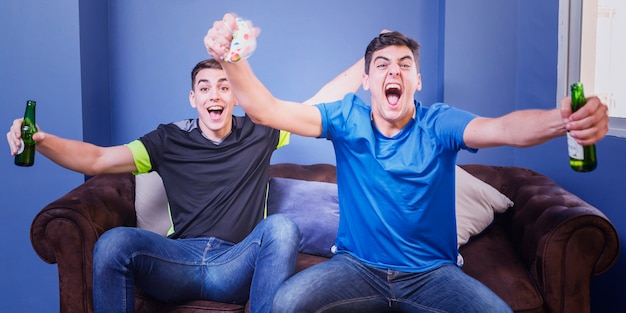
(176, 270)
(344, 284)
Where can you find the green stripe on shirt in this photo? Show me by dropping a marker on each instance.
(140, 156)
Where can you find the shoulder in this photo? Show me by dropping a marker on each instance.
(350, 104)
(442, 112)
(186, 125)
(160, 135)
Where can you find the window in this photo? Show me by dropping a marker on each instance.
(592, 46)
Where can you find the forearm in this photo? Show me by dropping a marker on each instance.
(518, 129)
(347, 81)
(85, 157)
(533, 127)
(255, 99)
(71, 154)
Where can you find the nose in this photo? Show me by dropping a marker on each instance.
(214, 94)
(394, 69)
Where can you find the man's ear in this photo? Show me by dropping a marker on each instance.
(192, 97)
(366, 82)
(418, 87)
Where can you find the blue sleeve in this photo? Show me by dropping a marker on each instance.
(449, 124)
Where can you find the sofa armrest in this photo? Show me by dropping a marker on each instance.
(66, 230)
(562, 239)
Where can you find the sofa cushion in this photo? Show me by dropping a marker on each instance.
(313, 206)
(151, 206)
(476, 204)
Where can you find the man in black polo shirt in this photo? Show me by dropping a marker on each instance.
(214, 169)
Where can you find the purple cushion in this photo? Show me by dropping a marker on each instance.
(313, 206)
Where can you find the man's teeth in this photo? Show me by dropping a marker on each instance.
(393, 86)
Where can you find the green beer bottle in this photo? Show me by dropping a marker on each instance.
(581, 158)
(26, 155)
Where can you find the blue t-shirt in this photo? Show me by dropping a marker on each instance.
(396, 195)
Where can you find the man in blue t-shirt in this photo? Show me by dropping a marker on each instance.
(215, 169)
(396, 242)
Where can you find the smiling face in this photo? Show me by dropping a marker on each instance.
(212, 98)
(392, 79)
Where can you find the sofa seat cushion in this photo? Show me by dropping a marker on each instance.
(490, 258)
(306, 260)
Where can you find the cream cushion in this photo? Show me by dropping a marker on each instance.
(476, 205)
(151, 206)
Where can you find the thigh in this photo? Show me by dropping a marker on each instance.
(201, 268)
(447, 289)
(270, 251)
(170, 270)
(341, 284)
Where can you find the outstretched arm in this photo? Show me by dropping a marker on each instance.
(532, 127)
(76, 155)
(258, 101)
(346, 82)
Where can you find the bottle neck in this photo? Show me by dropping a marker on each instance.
(29, 114)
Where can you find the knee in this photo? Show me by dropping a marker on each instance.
(112, 244)
(285, 301)
(283, 229)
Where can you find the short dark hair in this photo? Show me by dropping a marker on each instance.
(385, 40)
(208, 63)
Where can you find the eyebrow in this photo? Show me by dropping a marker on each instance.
(387, 59)
(221, 80)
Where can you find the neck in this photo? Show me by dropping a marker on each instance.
(218, 135)
(391, 127)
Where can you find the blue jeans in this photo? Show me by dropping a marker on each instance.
(344, 284)
(176, 270)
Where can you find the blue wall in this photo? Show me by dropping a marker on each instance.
(39, 60)
(109, 71)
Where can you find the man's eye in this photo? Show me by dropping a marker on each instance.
(204, 89)
(406, 65)
(381, 66)
(224, 89)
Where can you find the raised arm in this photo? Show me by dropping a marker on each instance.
(346, 82)
(258, 101)
(76, 155)
(527, 128)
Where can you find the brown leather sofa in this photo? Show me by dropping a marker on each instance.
(539, 255)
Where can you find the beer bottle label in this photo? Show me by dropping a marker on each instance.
(574, 149)
(21, 149)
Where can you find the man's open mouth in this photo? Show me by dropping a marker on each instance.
(215, 112)
(393, 92)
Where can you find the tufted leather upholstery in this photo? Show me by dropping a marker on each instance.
(539, 256)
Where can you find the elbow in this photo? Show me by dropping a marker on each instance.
(260, 120)
(256, 119)
(264, 115)
(100, 166)
(92, 171)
